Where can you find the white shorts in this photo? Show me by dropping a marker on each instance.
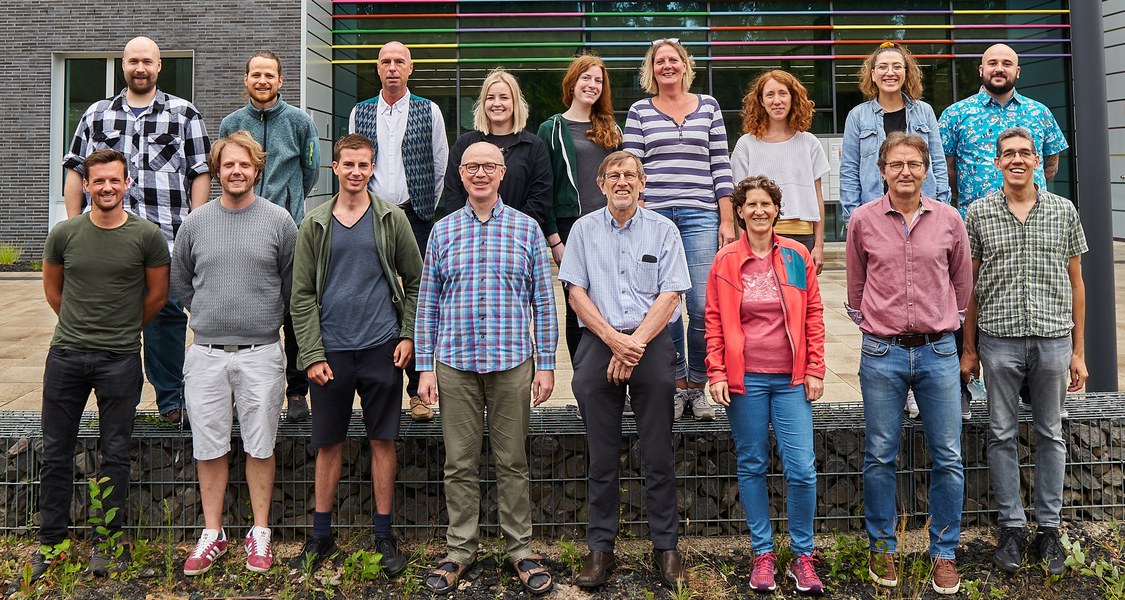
(255, 377)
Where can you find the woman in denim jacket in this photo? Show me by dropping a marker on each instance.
(890, 77)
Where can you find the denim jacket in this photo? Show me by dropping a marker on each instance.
(860, 179)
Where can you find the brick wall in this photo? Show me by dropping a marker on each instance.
(222, 35)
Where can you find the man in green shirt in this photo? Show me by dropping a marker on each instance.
(1026, 318)
(105, 274)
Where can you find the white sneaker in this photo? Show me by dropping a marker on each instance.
(911, 405)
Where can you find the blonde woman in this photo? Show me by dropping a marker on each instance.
(499, 117)
(892, 81)
(682, 142)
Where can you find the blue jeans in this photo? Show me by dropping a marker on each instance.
(770, 398)
(699, 231)
(1045, 364)
(165, 337)
(886, 372)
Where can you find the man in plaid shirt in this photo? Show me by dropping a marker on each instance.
(165, 143)
(1026, 318)
(486, 280)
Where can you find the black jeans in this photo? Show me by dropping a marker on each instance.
(650, 387)
(68, 378)
(421, 230)
(573, 329)
(296, 382)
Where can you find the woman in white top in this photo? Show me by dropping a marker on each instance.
(776, 115)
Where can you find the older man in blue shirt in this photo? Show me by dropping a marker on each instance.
(625, 269)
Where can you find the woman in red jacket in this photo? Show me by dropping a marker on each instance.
(765, 361)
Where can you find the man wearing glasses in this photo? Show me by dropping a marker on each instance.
(486, 281)
(1026, 319)
(909, 279)
(625, 269)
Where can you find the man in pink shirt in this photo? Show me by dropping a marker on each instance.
(909, 280)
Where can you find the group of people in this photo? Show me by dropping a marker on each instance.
(372, 285)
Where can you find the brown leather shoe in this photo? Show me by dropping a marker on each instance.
(946, 579)
(595, 571)
(669, 568)
(881, 567)
(420, 411)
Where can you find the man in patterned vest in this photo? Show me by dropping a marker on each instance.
(411, 150)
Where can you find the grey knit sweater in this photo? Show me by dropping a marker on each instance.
(232, 269)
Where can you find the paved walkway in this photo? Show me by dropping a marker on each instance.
(27, 323)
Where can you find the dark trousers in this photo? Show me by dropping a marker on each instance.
(650, 387)
(68, 378)
(165, 338)
(421, 231)
(296, 382)
(573, 329)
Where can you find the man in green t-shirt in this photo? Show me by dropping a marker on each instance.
(105, 274)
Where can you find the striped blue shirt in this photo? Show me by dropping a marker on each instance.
(624, 269)
(484, 284)
(686, 165)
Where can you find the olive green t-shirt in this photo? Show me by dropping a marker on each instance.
(103, 281)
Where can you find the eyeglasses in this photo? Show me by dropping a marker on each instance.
(914, 165)
(665, 41)
(628, 176)
(884, 67)
(1024, 154)
(489, 168)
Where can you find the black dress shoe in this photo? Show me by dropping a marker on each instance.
(669, 568)
(595, 571)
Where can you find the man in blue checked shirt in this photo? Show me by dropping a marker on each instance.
(486, 283)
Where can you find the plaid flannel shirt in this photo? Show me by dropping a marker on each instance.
(483, 286)
(165, 147)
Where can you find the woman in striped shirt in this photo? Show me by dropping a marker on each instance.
(682, 142)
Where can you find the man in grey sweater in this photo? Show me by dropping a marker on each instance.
(232, 268)
(292, 145)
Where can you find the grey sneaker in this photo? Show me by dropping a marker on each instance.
(700, 407)
(679, 400)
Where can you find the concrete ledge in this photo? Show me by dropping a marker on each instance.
(164, 496)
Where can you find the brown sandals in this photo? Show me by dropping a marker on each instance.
(534, 577)
(445, 577)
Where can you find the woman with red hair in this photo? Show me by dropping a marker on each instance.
(776, 115)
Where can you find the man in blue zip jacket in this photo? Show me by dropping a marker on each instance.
(289, 137)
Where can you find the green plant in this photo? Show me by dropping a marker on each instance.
(571, 556)
(362, 565)
(50, 554)
(847, 559)
(9, 253)
(683, 592)
(1110, 576)
(106, 541)
(169, 546)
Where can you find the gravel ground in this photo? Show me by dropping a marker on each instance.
(719, 568)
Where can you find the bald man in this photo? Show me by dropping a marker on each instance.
(969, 129)
(165, 146)
(486, 334)
(410, 155)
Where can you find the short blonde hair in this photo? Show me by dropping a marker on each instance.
(239, 138)
(519, 105)
(648, 80)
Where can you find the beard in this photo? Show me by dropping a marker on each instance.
(998, 90)
(138, 88)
